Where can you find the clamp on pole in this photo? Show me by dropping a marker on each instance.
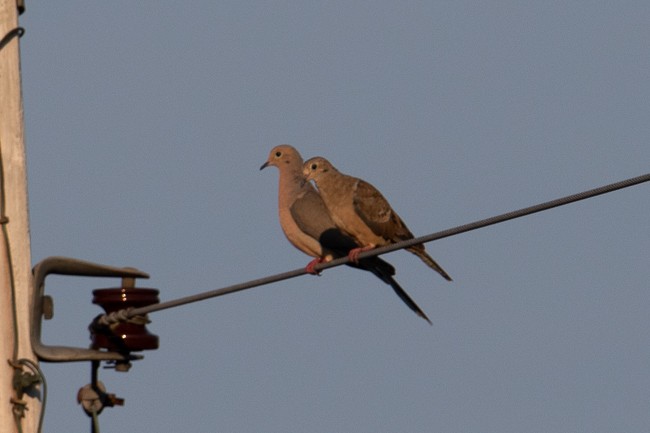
(42, 305)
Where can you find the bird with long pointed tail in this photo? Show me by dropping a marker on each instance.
(308, 226)
(361, 211)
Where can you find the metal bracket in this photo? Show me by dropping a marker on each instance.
(70, 266)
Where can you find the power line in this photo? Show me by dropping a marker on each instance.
(385, 249)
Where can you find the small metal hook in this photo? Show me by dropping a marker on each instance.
(18, 31)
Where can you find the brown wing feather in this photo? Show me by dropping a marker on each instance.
(375, 211)
(310, 214)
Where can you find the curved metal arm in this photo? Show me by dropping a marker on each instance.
(70, 266)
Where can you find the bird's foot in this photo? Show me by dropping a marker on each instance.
(353, 255)
(310, 266)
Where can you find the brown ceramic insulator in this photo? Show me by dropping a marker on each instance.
(124, 336)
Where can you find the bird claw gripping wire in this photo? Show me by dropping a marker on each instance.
(70, 266)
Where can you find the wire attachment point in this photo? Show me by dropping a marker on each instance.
(94, 398)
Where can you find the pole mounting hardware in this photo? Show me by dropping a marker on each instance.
(42, 305)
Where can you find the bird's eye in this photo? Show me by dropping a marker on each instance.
(314, 166)
(278, 154)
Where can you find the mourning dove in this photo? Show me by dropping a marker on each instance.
(307, 225)
(360, 211)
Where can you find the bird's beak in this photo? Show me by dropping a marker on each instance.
(266, 164)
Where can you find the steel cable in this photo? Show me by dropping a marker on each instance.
(399, 245)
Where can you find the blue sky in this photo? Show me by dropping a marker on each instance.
(146, 124)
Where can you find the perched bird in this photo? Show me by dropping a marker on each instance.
(360, 211)
(308, 226)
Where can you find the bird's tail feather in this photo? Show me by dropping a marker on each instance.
(341, 245)
(419, 251)
(380, 271)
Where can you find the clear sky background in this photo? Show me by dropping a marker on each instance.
(146, 124)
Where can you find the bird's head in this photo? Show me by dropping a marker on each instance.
(315, 168)
(283, 155)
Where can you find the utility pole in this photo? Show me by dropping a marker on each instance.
(15, 259)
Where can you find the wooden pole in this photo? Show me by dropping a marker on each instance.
(15, 260)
